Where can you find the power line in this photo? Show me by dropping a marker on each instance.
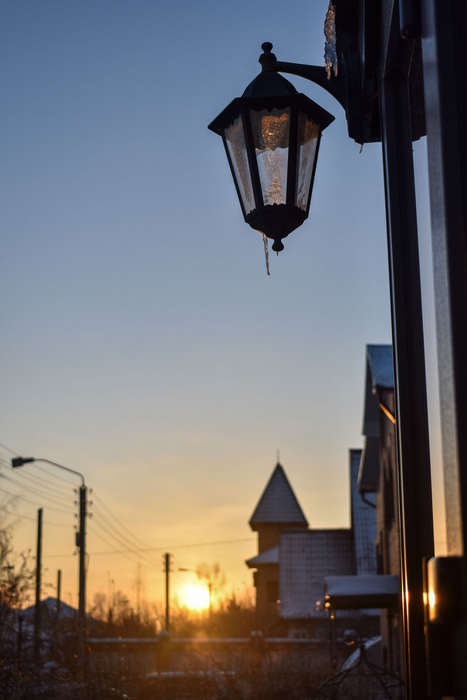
(34, 503)
(123, 540)
(133, 550)
(199, 544)
(28, 517)
(115, 529)
(173, 547)
(37, 481)
(35, 466)
(42, 469)
(104, 539)
(137, 540)
(39, 492)
(8, 449)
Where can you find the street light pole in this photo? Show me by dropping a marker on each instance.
(82, 557)
(80, 535)
(37, 606)
(167, 590)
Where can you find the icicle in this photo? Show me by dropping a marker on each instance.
(266, 253)
(361, 147)
(330, 54)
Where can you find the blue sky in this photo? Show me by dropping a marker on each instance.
(142, 341)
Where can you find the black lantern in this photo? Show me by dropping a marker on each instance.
(271, 136)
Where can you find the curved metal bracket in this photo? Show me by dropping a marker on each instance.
(316, 74)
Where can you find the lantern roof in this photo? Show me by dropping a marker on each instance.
(269, 90)
(268, 84)
(269, 101)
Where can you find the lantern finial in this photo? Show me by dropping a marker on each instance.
(267, 59)
(277, 246)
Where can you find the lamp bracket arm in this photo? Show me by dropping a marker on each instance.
(61, 466)
(316, 74)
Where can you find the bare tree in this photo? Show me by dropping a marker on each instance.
(214, 578)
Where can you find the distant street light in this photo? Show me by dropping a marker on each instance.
(271, 136)
(17, 462)
(20, 461)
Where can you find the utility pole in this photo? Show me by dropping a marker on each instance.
(17, 462)
(81, 543)
(37, 608)
(59, 592)
(167, 591)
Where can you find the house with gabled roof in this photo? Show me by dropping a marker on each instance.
(277, 511)
(293, 559)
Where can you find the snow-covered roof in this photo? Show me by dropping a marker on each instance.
(349, 592)
(269, 556)
(381, 366)
(51, 605)
(278, 503)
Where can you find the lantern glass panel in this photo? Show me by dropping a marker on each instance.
(236, 147)
(270, 129)
(308, 137)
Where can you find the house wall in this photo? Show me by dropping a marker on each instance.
(269, 535)
(388, 529)
(266, 580)
(305, 558)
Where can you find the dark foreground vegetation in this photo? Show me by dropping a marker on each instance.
(235, 665)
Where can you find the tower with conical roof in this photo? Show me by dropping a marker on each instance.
(277, 511)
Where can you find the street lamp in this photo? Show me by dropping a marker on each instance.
(17, 462)
(20, 461)
(271, 136)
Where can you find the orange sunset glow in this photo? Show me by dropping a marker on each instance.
(195, 597)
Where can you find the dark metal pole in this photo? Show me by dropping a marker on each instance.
(59, 592)
(167, 591)
(82, 560)
(37, 608)
(415, 507)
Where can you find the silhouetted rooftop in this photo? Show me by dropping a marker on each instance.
(278, 503)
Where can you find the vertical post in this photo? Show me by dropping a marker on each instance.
(414, 478)
(59, 592)
(444, 57)
(445, 106)
(332, 639)
(37, 608)
(167, 591)
(82, 559)
(82, 581)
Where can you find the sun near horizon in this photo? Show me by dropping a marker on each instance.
(195, 597)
